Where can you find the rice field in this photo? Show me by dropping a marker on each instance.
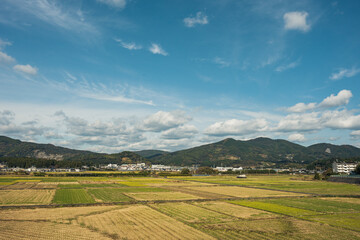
(72, 196)
(108, 195)
(176, 208)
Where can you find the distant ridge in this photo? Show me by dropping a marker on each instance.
(258, 152)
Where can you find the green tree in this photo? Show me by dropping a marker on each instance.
(357, 169)
(205, 170)
(317, 176)
(327, 173)
(185, 171)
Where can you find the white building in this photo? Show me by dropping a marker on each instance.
(343, 167)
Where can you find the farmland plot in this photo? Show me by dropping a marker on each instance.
(236, 211)
(140, 222)
(243, 192)
(26, 196)
(186, 212)
(279, 228)
(71, 196)
(109, 195)
(59, 215)
(145, 196)
(45, 230)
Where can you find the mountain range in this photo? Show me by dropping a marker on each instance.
(264, 152)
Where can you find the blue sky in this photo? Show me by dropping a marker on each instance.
(114, 75)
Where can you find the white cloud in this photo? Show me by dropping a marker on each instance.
(301, 107)
(162, 121)
(345, 73)
(184, 131)
(299, 122)
(342, 98)
(129, 45)
(114, 3)
(157, 49)
(287, 66)
(234, 127)
(296, 21)
(6, 58)
(26, 69)
(355, 134)
(297, 137)
(341, 120)
(200, 19)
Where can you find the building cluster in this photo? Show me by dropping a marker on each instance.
(226, 169)
(343, 167)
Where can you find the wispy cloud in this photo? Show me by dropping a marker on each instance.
(4, 58)
(128, 45)
(4, 43)
(343, 72)
(221, 62)
(114, 3)
(52, 13)
(26, 69)
(296, 21)
(157, 49)
(199, 19)
(287, 66)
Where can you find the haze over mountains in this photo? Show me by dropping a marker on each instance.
(229, 152)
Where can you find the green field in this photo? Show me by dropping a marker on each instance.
(215, 207)
(72, 196)
(109, 195)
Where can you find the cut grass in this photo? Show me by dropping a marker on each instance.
(275, 208)
(148, 196)
(235, 210)
(140, 222)
(189, 213)
(109, 195)
(26, 196)
(72, 196)
(243, 192)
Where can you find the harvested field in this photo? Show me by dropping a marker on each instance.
(70, 196)
(21, 185)
(207, 195)
(236, 211)
(60, 215)
(280, 228)
(161, 196)
(140, 222)
(26, 196)
(243, 192)
(45, 230)
(276, 208)
(186, 212)
(108, 195)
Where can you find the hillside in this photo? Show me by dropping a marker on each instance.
(256, 152)
(150, 153)
(259, 152)
(17, 149)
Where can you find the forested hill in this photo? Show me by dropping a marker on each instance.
(259, 152)
(256, 152)
(12, 148)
